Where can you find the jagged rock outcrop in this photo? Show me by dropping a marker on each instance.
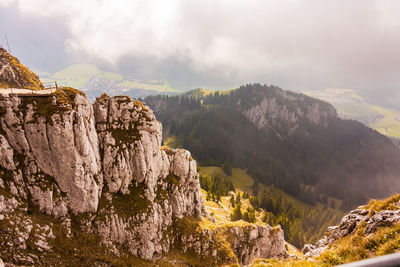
(134, 163)
(381, 219)
(256, 241)
(348, 226)
(271, 113)
(13, 74)
(239, 242)
(70, 171)
(50, 153)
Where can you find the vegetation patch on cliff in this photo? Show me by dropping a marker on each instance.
(359, 246)
(284, 263)
(60, 101)
(14, 74)
(127, 136)
(126, 131)
(218, 251)
(133, 203)
(7, 177)
(377, 205)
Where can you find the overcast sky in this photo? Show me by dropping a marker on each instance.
(300, 45)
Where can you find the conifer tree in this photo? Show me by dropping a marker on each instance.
(232, 200)
(237, 213)
(238, 198)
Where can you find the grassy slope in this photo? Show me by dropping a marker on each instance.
(239, 177)
(241, 181)
(78, 75)
(351, 105)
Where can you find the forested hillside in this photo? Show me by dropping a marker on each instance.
(292, 141)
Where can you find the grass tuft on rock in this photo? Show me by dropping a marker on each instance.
(62, 100)
(377, 205)
(129, 205)
(358, 246)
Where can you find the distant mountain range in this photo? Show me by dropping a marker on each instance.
(94, 82)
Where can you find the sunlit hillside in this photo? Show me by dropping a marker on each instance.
(353, 106)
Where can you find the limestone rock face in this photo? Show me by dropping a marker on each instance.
(130, 142)
(53, 157)
(381, 219)
(135, 164)
(347, 226)
(260, 242)
(270, 113)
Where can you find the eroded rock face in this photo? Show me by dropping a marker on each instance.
(270, 113)
(347, 226)
(135, 163)
(256, 242)
(238, 242)
(381, 219)
(101, 170)
(52, 155)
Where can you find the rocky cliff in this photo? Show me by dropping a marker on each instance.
(285, 112)
(92, 183)
(374, 225)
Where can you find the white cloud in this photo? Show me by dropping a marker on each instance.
(342, 40)
(4, 3)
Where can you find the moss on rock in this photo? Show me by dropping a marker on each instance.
(62, 100)
(129, 205)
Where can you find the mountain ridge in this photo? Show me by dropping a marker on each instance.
(299, 139)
